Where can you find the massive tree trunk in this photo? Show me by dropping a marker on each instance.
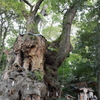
(24, 79)
(33, 73)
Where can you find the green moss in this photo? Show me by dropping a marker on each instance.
(52, 49)
(31, 75)
(32, 37)
(39, 75)
(25, 37)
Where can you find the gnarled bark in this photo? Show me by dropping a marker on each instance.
(26, 83)
(32, 48)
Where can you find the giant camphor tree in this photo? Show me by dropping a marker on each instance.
(31, 74)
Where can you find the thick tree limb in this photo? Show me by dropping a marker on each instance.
(65, 45)
(37, 7)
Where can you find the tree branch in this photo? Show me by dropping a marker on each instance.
(65, 45)
(37, 7)
(24, 11)
(42, 12)
(26, 2)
